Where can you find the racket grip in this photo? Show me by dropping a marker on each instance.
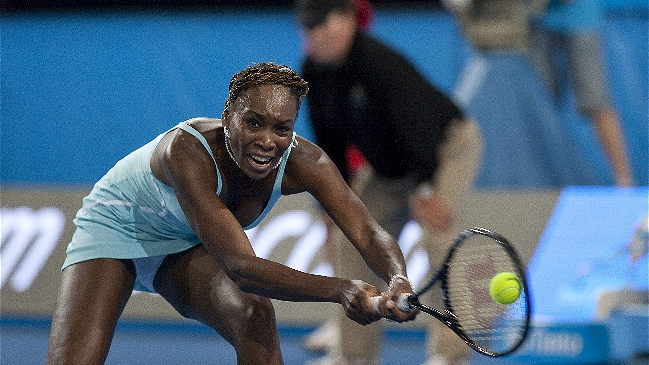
(402, 302)
(376, 301)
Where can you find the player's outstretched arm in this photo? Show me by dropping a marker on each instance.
(187, 167)
(314, 172)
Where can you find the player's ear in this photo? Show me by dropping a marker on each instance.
(225, 117)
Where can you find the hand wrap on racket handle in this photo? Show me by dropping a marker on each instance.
(402, 302)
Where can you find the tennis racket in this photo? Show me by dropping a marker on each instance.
(490, 328)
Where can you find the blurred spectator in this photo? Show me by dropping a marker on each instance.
(544, 30)
(422, 152)
(493, 24)
(574, 27)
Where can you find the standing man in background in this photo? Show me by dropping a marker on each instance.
(423, 152)
(574, 27)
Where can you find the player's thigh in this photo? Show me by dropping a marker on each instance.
(197, 288)
(91, 297)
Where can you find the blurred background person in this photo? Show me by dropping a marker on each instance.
(422, 151)
(517, 72)
(573, 28)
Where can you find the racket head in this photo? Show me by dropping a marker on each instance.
(491, 328)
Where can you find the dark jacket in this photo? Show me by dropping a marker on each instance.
(378, 101)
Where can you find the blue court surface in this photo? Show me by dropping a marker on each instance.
(24, 341)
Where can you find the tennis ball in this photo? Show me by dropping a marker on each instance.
(505, 288)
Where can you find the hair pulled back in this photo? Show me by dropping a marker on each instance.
(266, 73)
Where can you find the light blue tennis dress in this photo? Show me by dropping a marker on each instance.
(130, 214)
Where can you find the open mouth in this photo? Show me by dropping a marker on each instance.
(260, 161)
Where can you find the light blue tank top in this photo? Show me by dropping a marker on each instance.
(130, 214)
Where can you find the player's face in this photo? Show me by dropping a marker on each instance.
(261, 123)
(329, 42)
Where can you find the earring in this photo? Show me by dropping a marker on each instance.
(294, 141)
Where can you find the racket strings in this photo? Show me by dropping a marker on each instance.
(491, 325)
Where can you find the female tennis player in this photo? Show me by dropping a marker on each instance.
(169, 218)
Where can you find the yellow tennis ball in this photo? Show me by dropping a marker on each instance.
(505, 288)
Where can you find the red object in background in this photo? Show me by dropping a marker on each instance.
(355, 159)
(364, 13)
(364, 17)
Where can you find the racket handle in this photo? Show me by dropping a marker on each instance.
(402, 302)
(376, 301)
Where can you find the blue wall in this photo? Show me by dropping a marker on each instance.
(82, 89)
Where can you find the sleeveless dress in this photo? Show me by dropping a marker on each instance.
(130, 214)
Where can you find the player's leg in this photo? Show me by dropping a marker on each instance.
(459, 162)
(195, 286)
(91, 298)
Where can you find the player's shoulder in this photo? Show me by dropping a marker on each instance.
(184, 146)
(204, 124)
(306, 165)
(306, 152)
(307, 159)
(209, 128)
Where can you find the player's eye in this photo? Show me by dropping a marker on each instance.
(253, 123)
(283, 129)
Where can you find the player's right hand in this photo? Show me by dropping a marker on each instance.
(388, 306)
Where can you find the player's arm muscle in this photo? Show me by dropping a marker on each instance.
(320, 177)
(192, 174)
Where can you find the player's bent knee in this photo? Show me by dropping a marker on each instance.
(259, 310)
(256, 340)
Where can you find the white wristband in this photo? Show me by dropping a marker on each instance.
(396, 277)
